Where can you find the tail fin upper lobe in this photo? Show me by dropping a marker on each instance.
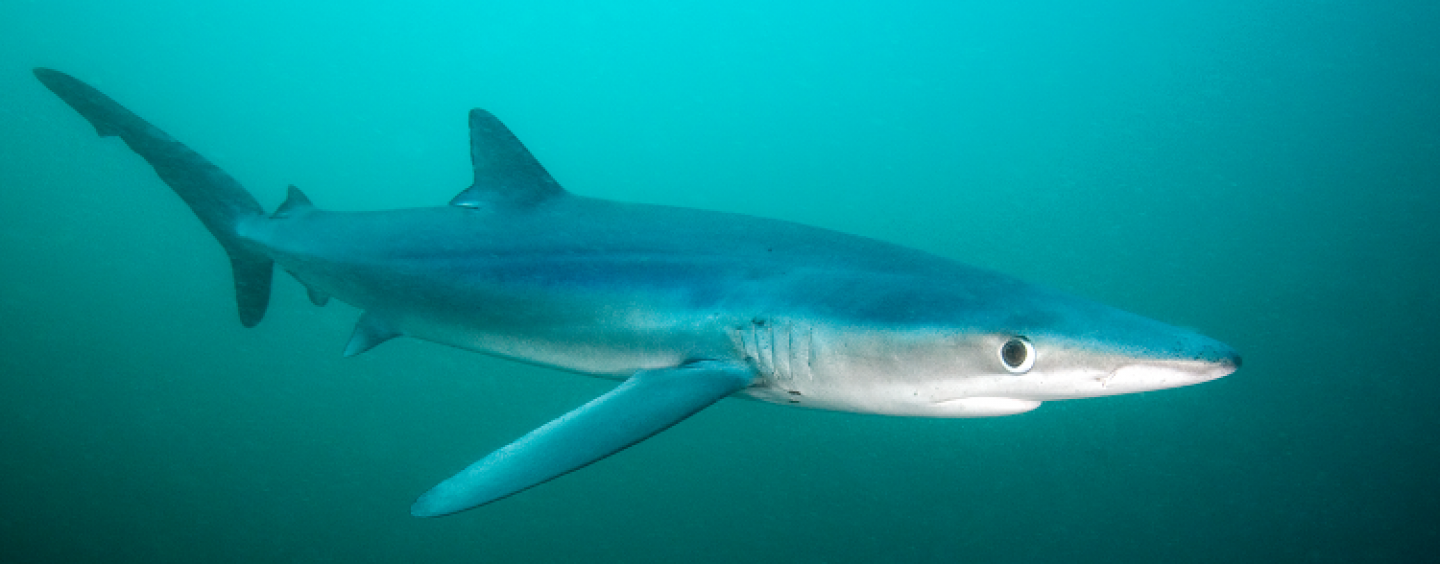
(216, 198)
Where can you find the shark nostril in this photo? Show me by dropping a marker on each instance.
(1222, 355)
(1212, 359)
(1218, 353)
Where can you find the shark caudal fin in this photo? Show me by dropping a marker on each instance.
(216, 198)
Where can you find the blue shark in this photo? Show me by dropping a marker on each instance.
(683, 307)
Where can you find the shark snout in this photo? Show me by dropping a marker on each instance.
(1192, 348)
(1194, 359)
(1208, 358)
(1216, 352)
(1211, 359)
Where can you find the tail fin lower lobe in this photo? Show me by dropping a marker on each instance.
(216, 198)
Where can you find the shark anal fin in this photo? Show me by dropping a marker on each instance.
(647, 403)
(506, 174)
(369, 331)
(317, 297)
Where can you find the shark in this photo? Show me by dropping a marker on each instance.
(682, 307)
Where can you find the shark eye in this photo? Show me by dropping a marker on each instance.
(1018, 355)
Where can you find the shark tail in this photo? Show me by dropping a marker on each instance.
(216, 198)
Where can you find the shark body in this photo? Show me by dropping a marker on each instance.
(684, 307)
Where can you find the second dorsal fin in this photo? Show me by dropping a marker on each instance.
(295, 202)
(506, 174)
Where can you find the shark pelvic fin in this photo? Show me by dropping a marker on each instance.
(506, 174)
(647, 403)
(369, 331)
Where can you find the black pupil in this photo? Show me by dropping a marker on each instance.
(1013, 353)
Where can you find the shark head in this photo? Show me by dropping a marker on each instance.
(999, 353)
(1087, 350)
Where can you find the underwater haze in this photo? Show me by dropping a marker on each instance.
(1267, 172)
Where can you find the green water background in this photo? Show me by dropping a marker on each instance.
(1267, 172)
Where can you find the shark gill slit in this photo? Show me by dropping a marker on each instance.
(800, 351)
(782, 351)
(764, 341)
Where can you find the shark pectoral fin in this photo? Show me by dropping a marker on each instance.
(647, 403)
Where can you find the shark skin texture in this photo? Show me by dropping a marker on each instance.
(683, 307)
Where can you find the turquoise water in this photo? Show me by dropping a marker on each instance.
(1267, 172)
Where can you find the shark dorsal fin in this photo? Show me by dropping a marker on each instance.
(506, 174)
